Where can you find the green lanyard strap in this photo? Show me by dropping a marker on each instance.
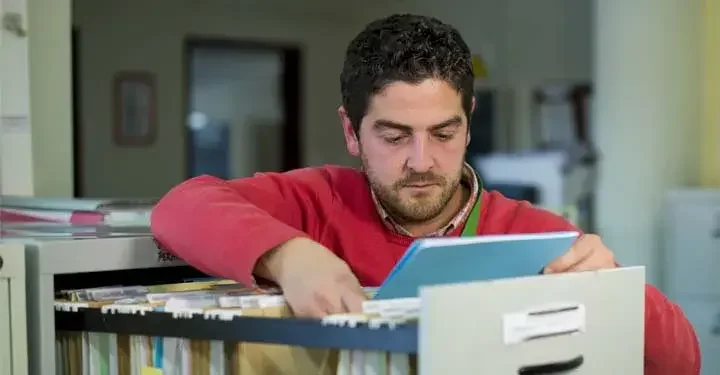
(473, 219)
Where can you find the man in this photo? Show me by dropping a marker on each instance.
(321, 233)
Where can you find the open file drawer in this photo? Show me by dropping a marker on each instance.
(453, 318)
(13, 336)
(589, 323)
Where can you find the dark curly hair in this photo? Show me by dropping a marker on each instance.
(408, 48)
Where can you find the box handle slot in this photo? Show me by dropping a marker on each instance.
(559, 367)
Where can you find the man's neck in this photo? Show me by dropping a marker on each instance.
(453, 207)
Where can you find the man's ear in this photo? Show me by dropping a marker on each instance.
(472, 110)
(351, 140)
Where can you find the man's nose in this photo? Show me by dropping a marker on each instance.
(419, 159)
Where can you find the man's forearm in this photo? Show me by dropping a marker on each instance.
(275, 262)
(270, 264)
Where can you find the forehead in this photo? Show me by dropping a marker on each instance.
(420, 105)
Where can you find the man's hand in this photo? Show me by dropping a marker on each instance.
(587, 254)
(314, 281)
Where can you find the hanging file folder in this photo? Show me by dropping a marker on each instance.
(447, 260)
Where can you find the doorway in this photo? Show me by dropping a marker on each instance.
(242, 106)
(76, 126)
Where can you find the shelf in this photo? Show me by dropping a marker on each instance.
(287, 331)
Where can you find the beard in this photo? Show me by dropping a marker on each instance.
(416, 208)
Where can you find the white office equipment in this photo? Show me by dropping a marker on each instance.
(565, 179)
(588, 323)
(49, 259)
(555, 115)
(691, 260)
(559, 177)
(13, 336)
(562, 113)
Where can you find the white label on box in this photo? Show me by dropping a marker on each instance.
(543, 322)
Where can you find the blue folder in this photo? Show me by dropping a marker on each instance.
(447, 260)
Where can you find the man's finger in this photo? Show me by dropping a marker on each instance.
(314, 312)
(563, 263)
(587, 264)
(567, 261)
(580, 250)
(330, 305)
(317, 312)
(353, 301)
(598, 260)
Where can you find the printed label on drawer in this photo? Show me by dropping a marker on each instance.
(165, 257)
(543, 322)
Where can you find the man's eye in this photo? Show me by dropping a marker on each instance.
(394, 140)
(444, 136)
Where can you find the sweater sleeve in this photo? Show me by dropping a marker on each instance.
(223, 227)
(671, 345)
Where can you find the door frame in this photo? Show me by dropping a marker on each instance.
(75, 39)
(292, 91)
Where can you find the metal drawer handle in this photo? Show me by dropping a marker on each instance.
(560, 367)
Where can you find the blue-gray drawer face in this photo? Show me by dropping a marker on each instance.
(693, 251)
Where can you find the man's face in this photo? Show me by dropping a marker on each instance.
(412, 145)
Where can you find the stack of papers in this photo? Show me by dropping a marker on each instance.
(43, 217)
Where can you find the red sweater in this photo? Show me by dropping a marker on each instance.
(223, 227)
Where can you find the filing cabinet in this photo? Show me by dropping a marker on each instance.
(13, 327)
(691, 262)
(705, 317)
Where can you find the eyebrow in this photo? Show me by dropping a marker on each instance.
(385, 124)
